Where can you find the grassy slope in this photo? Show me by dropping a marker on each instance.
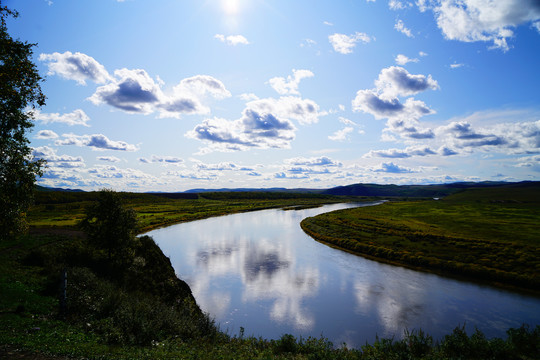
(489, 234)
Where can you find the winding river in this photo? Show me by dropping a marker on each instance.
(259, 271)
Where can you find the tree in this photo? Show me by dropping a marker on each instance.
(19, 91)
(110, 226)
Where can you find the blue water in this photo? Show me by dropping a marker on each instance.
(260, 271)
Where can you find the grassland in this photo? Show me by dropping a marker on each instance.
(488, 234)
(132, 312)
(66, 209)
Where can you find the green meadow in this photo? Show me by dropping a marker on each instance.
(487, 234)
(60, 209)
(139, 309)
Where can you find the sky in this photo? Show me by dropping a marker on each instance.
(172, 95)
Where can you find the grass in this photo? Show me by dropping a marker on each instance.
(65, 210)
(485, 234)
(133, 311)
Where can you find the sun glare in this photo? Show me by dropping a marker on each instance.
(231, 7)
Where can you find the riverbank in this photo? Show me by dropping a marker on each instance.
(488, 235)
(31, 325)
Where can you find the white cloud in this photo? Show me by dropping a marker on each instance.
(521, 137)
(314, 161)
(403, 60)
(96, 141)
(79, 67)
(46, 134)
(305, 111)
(456, 65)
(57, 161)
(396, 81)
(344, 44)
(402, 153)
(341, 135)
(400, 26)
(248, 97)
(392, 168)
(383, 102)
(77, 117)
(290, 85)
(134, 91)
(232, 39)
(399, 4)
(162, 159)
(202, 85)
(112, 159)
(483, 20)
(265, 123)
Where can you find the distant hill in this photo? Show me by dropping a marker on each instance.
(415, 191)
(437, 190)
(44, 188)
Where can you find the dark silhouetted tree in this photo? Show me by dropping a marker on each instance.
(111, 226)
(19, 91)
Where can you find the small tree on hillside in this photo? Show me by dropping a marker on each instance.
(19, 90)
(110, 226)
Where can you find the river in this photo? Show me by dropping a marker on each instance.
(259, 271)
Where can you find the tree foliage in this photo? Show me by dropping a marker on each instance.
(19, 91)
(110, 226)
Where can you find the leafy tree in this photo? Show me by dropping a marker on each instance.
(19, 91)
(110, 226)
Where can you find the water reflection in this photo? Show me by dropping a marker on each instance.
(261, 272)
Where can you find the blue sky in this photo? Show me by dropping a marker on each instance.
(171, 95)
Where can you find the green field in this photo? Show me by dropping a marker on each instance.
(489, 234)
(65, 209)
(131, 310)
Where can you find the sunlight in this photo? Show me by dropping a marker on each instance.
(231, 7)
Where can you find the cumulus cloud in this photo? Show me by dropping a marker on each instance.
(383, 102)
(400, 26)
(46, 134)
(202, 85)
(96, 141)
(265, 123)
(232, 39)
(517, 138)
(112, 159)
(305, 111)
(314, 161)
(134, 91)
(402, 153)
(403, 60)
(392, 168)
(482, 20)
(341, 135)
(396, 81)
(57, 161)
(399, 4)
(79, 67)
(344, 44)
(76, 117)
(289, 86)
(162, 159)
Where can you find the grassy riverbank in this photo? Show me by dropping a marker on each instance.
(129, 314)
(489, 234)
(60, 209)
(138, 309)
